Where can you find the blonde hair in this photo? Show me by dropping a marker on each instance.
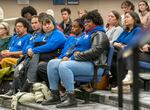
(6, 26)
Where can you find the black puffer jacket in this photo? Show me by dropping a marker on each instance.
(98, 51)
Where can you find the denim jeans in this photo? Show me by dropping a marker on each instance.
(66, 71)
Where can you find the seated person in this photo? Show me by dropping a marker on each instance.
(113, 26)
(80, 63)
(17, 44)
(133, 28)
(4, 36)
(46, 46)
(72, 41)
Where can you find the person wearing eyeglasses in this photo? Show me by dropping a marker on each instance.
(4, 36)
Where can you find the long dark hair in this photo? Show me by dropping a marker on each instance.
(24, 22)
(136, 18)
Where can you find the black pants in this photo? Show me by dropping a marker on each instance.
(125, 62)
(42, 72)
(32, 70)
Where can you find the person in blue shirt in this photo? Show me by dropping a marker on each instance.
(94, 47)
(76, 34)
(46, 46)
(17, 45)
(133, 28)
(37, 35)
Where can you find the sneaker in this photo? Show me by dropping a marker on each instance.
(128, 79)
(126, 89)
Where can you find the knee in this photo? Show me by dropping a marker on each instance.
(4, 60)
(52, 64)
(62, 65)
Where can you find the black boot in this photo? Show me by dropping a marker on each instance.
(26, 87)
(54, 99)
(69, 102)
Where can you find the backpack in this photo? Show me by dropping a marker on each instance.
(20, 72)
(6, 83)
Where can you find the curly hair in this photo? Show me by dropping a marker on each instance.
(28, 9)
(80, 22)
(95, 16)
(24, 22)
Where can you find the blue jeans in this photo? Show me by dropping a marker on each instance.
(66, 71)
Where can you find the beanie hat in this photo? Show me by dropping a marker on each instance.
(50, 12)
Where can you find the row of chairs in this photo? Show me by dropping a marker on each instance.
(105, 71)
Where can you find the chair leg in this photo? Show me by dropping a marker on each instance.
(86, 97)
(146, 85)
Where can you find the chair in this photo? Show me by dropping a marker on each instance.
(145, 76)
(144, 65)
(104, 70)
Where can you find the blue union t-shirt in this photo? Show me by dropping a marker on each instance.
(19, 43)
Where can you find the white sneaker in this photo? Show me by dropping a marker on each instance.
(126, 89)
(129, 78)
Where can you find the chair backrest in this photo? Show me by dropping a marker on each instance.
(144, 65)
(104, 70)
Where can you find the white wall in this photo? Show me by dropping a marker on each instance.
(12, 9)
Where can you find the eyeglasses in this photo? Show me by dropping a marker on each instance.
(87, 21)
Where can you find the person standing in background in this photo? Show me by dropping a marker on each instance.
(66, 24)
(126, 6)
(144, 12)
(27, 13)
(81, 12)
(133, 29)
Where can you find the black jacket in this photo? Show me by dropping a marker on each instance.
(98, 51)
(66, 30)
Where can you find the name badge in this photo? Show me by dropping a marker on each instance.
(86, 36)
(19, 43)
